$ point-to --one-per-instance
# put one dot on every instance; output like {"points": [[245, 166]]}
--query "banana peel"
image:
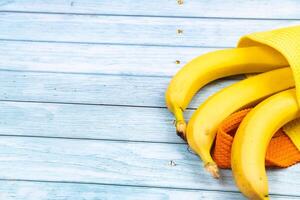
{"points": [[204, 123], [214, 65], [252, 138], [255, 53]]}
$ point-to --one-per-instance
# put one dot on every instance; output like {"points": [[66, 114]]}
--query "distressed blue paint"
{"points": [[131, 30], [92, 89], [88, 121], [96, 74], [190, 8], [20, 190], [93, 58], [124, 163]]}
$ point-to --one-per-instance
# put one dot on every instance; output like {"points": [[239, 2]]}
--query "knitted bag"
{"points": [[281, 151]]}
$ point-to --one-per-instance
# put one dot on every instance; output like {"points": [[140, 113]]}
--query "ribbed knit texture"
{"points": [[292, 129], [287, 42], [281, 151]]}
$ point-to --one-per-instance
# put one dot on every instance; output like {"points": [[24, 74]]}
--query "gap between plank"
{"points": [[136, 186], [116, 44], [146, 16], [126, 185], [87, 104], [92, 139], [234, 77]]}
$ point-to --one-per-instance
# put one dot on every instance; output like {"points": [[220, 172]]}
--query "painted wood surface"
{"points": [[82, 96], [20, 190], [88, 122], [120, 163], [93, 89], [131, 30], [289, 9], [95, 58]]}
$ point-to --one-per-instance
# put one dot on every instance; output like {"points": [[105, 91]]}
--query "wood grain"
{"points": [[190, 8], [82, 96], [131, 30], [92, 89], [94, 58], [20, 190], [88, 121], [121, 163]]}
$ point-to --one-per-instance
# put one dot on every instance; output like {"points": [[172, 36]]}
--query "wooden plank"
{"points": [[92, 89], [91, 58], [86, 121], [20, 190], [122, 163], [190, 8], [99, 122], [131, 30]]}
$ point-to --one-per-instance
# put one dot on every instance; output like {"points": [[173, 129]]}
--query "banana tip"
{"points": [[213, 169], [181, 129]]}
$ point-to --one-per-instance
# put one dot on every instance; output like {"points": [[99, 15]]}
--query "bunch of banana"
{"points": [[211, 66], [271, 91], [257, 129], [204, 123]]}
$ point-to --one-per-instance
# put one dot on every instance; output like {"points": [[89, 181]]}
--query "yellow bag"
{"points": [[287, 42]]}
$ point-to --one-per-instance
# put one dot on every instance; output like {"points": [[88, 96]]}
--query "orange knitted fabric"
{"points": [[281, 151]]}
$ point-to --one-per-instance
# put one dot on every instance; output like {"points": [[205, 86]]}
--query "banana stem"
{"points": [[180, 123], [213, 169], [181, 129]]}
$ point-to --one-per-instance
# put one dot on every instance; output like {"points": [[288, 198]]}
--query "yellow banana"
{"points": [[212, 66], [252, 138], [202, 127]]}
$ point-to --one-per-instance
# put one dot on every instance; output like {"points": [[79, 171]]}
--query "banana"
{"points": [[252, 138], [212, 66], [202, 127]]}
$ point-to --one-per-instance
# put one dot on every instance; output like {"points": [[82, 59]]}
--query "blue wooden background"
{"points": [[82, 87]]}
